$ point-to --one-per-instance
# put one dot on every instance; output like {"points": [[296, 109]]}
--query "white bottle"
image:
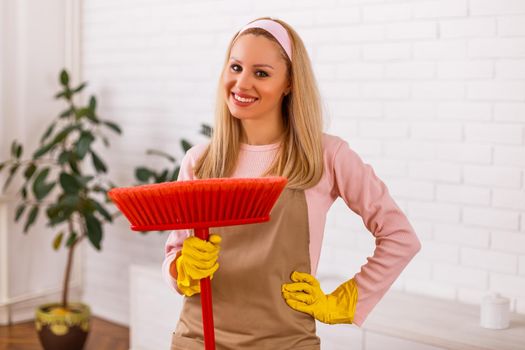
{"points": [[495, 311]]}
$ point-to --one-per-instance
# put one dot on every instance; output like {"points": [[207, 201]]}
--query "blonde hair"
{"points": [[300, 157]]}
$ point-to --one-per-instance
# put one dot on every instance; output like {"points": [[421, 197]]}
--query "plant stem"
{"points": [[65, 288]]}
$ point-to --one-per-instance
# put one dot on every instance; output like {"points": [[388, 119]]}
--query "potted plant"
{"points": [[74, 199], [64, 179], [147, 175]]}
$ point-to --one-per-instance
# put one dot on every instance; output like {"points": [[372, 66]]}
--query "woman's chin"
{"points": [[242, 116]]}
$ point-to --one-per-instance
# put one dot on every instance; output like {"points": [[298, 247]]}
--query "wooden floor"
{"points": [[104, 335]]}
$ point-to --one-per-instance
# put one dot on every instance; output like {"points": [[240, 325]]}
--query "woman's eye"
{"points": [[259, 71]]}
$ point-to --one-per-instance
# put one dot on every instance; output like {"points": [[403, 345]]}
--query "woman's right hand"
{"points": [[198, 260]]}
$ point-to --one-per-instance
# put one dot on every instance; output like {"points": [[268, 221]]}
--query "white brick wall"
{"points": [[431, 93]]}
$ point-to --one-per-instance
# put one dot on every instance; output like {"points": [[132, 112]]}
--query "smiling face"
{"points": [[257, 72]]}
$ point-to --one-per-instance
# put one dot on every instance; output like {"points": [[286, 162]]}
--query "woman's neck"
{"points": [[256, 133]]}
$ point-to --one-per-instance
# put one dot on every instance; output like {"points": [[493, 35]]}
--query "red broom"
{"points": [[199, 205]]}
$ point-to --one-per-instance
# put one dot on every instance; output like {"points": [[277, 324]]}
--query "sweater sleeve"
{"points": [[175, 238], [396, 242]]}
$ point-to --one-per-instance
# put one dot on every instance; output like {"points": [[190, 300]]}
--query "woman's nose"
{"points": [[244, 80]]}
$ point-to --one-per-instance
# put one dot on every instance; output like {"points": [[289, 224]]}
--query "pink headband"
{"points": [[274, 28]]}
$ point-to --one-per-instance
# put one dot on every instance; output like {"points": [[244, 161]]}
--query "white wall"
{"points": [[32, 46], [431, 93]]}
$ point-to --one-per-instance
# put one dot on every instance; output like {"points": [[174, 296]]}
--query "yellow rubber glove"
{"points": [[198, 260], [305, 295]]}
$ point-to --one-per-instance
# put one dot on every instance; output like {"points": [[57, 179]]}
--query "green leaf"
{"points": [[161, 153], [105, 140], [55, 214], [94, 230], [43, 150], [63, 209], [19, 151], [19, 211], [98, 163], [65, 132], [112, 126], [71, 201], [48, 132], [87, 206], [84, 180], [40, 188], [91, 110], [58, 138], [31, 217], [12, 172], [63, 157], [45, 190], [69, 183], [60, 94], [81, 112], [3, 164], [185, 145], [58, 240], [163, 176], [92, 103], [80, 87], [64, 77], [175, 174], [91, 116], [72, 161], [143, 174], [83, 144], [14, 145], [41, 177], [206, 130], [71, 239], [14, 168], [100, 208], [24, 192], [30, 170], [66, 113]]}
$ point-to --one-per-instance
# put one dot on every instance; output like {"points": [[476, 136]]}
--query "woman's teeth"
{"points": [[241, 99]]}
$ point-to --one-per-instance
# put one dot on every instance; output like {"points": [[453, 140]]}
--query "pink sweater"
{"points": [[346, 176]]}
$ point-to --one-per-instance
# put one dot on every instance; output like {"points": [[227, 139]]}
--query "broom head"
{"points": [[213, 202]]}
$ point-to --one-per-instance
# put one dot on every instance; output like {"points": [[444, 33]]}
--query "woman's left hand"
{"points": [[305, 295]]}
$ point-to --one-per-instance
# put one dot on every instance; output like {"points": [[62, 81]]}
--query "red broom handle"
{"points": [[207, 310]]}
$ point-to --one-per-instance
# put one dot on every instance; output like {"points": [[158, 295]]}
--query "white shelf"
{"points": [[399, 322], [447, 324]]}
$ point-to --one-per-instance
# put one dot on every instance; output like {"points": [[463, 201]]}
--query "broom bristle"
{"points": [[198, 203]]}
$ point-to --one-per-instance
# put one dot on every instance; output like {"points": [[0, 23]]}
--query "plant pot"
{"points": [[60, 329]]}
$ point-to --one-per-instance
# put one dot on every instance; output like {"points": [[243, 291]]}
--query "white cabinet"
{"points": [[399, 321], [376, 341], [154, 309]]}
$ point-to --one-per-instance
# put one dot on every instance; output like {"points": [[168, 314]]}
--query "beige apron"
{"points": [[248, 308]]}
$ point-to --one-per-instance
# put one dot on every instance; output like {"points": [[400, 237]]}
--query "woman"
{"points": [[269, 122]]}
